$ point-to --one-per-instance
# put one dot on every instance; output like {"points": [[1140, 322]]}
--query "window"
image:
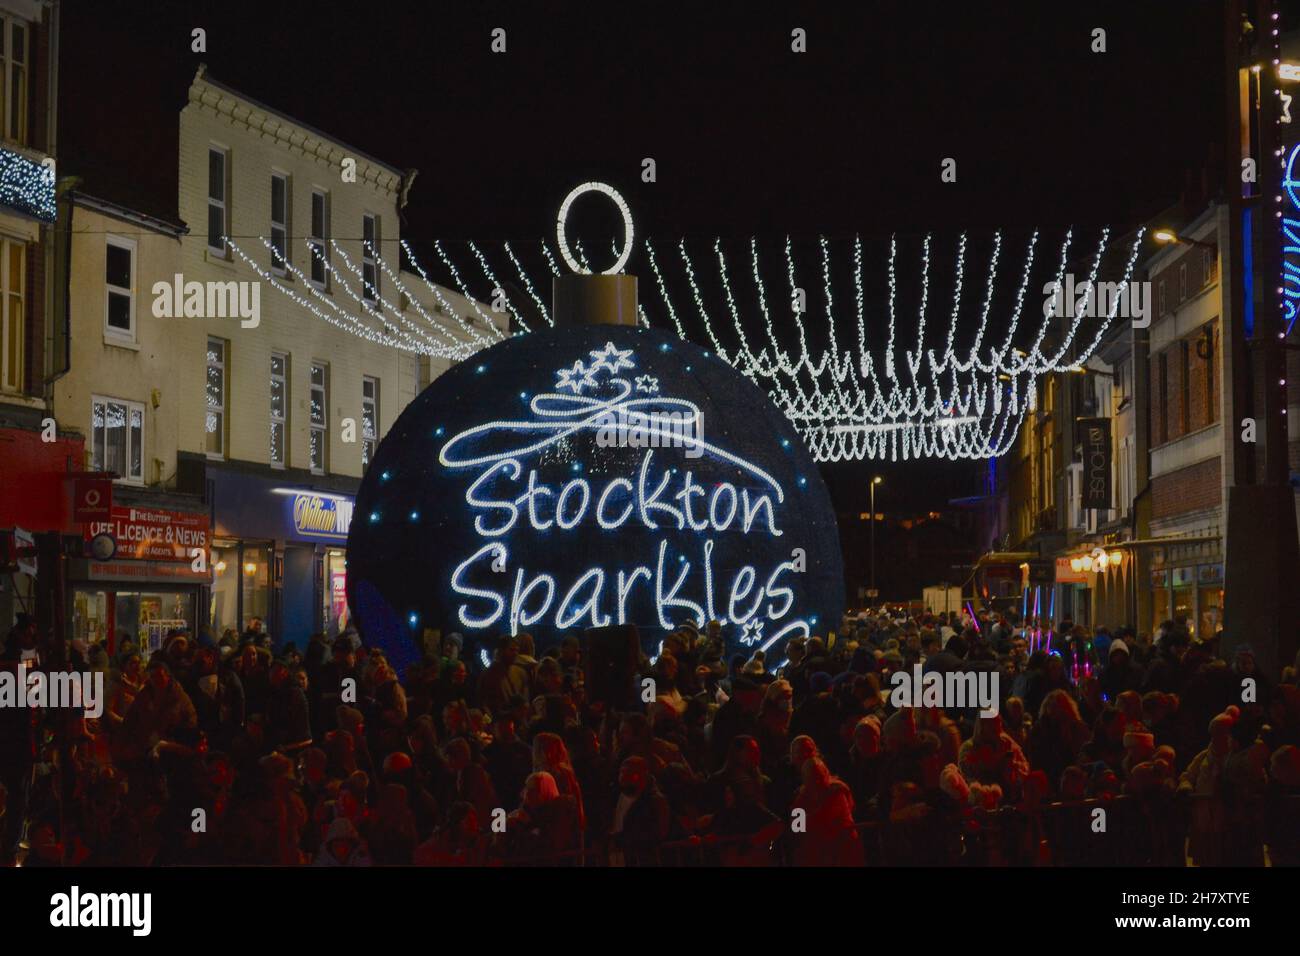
{"points": [[319, 435], [215, 422], [279, 409], [318, 242], [1123, 383], [13, 78], [1182, 283], [279, 223], [369, 420], [13, 283], [1045, 486], [1074, 495], [218, 221], [1162, 377], [370, 258], [1211, 410], [119, 274], [1163, 300], [117, 438], [1207, 266], [1185, 385]]}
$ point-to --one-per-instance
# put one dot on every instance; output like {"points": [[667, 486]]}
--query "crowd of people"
{"points": [[232, 751]]}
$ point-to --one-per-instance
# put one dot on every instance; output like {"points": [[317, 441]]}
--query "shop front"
{"points": [[279, 555], [1185, 582], [147, 571], [1192, 593], [1095, 585], [34, 499]]}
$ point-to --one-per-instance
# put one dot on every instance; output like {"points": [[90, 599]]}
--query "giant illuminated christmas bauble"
{"points": [[590, 475]]}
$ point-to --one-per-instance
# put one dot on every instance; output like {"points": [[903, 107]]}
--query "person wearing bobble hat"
{"points": [[1203, 782]]}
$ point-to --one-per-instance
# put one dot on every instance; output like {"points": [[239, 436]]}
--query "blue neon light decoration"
{"points": [[626, 491], [1291, 241]]}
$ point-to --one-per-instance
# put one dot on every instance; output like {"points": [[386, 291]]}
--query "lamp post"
{"points": [[874, 481], [1166, 236]]}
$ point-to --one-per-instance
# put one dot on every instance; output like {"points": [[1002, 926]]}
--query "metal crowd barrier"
{"points": [[1134, 832]]}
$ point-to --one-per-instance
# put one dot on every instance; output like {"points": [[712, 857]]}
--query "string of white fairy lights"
{"points": [[954, 404]]}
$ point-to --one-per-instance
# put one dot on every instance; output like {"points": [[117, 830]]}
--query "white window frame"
{"points": [[8, 320], [319, 242], [324, 427], [111, 331], [1206, 266], [370, 260], [224, 409], [1182, 282], [223, 203], [282, 224], [7, 67], [372, 440], [283, 419], [101, 463]]}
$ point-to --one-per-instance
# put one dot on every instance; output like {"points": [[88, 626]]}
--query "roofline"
{"points": [[205, 76], [118, 211]]}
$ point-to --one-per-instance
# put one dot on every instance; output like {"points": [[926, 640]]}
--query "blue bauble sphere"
{"points": [[590, 475]]}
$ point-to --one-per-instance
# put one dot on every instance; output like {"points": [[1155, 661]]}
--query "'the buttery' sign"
{"points": [[582, 477]]}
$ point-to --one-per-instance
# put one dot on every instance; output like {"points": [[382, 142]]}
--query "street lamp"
{"points": [[874, 481], [1166, 236]]}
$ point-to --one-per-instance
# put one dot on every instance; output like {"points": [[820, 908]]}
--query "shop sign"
{"points": [[145, 572], [1210, 574], [92, 499], [1067, 575], [1183, 577], [1096, 463], [317, 516], [153, 534], [25, 545]]}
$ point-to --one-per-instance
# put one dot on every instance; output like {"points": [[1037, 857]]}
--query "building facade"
{"points": [[122, 394], [1155, 549], [36, 456], [234, 370], [1190, 448]]}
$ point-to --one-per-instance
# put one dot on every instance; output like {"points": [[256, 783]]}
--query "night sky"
{"points": [[749, 138]]}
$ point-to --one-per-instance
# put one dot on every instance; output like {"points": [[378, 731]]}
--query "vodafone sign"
{"points": [[92, 499]]}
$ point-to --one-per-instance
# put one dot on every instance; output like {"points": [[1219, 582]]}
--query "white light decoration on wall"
{"points": [[27, 186], [612, 193]]}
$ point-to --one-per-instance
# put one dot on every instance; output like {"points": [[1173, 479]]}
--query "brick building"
{"points": [[1190, 453]]}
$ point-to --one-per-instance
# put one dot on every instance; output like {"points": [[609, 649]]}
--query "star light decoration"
{"points": [[648, 384], [848, 401], [612, 358], [751, 632], [577, 378]]}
